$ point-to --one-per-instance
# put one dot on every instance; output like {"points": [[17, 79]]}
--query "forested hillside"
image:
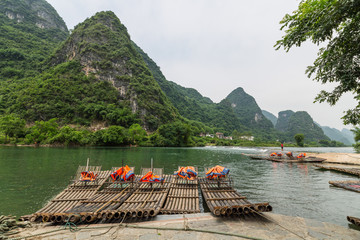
{"points": [[270, 116], [291, 123], [336, 135], [192, 105], [96, 75], [96, 86], [247, 110], [29, 32]]}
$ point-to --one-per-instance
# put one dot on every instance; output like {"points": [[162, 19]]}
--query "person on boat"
{"points": [[274, 154], [290, 155], [282, 147]]}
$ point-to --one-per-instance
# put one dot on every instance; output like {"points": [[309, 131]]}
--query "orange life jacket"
{"points": [[217, 172], [301, 155], [123, 174], [273, 154], [187, 172], [150, 177], [88, 176]]}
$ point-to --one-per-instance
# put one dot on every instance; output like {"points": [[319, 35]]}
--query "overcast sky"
{"points": [[216, 46]]}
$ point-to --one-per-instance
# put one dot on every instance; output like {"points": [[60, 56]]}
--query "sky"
{"points": [[216, 46]]}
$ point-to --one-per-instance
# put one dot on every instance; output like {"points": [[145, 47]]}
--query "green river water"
{"points": [[30, 177]]}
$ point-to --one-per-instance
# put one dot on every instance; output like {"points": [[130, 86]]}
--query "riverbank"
{"points": [[340, 158], [202, 226]]}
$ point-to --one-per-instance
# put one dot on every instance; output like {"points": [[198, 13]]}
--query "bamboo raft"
{"points": [[287, 159], [183, 197], [73, 195], [106, 201], [223, 200], [354, 220], [349, 185], [353, 171], [256, 157], [295, 160], [148, 198]]}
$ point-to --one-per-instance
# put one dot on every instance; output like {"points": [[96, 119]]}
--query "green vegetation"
{"points": [[219, 116], [64, 92], [23, 45], [247, 110], [12, 126], [290, 123], [96, 87], [102, 45], [335, 25], [270, 116], [356, 146], [327, 143], [299, 138]]}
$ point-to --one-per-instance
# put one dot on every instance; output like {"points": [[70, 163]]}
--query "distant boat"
{"points": [[299, 160], [294, 160]]}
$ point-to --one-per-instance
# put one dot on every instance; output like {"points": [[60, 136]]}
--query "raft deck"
{"points": [[76, 192], [183, 197], [223, 200], [349, 185], [353, 171]]}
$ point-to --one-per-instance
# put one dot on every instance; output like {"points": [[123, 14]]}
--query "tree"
{"points": [[136, 133], [356, 146], [299, 138], [12, 126], [336, 24], [42, 131], [175, 134], [114, 135]]}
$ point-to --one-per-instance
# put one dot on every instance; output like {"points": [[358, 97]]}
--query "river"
{"points": [[30, 177]]}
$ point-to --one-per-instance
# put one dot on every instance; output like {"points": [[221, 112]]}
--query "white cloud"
{"points": [[216, 46]]}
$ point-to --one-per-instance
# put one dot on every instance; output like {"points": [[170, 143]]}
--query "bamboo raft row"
{"points": [[349, 185], [183, 197], [223, 200], [353, 171], [108, 201], [354, 220]]}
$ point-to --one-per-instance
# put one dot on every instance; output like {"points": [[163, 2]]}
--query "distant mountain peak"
{"points": [[37, 12], [102, 45], [246, 108], [293, 123]]}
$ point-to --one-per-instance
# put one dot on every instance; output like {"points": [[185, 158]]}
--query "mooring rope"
{"points": [[70, 225]]}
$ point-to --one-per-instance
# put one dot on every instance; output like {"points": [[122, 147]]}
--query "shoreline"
{"points": [[201, 226], [338, 158]]}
